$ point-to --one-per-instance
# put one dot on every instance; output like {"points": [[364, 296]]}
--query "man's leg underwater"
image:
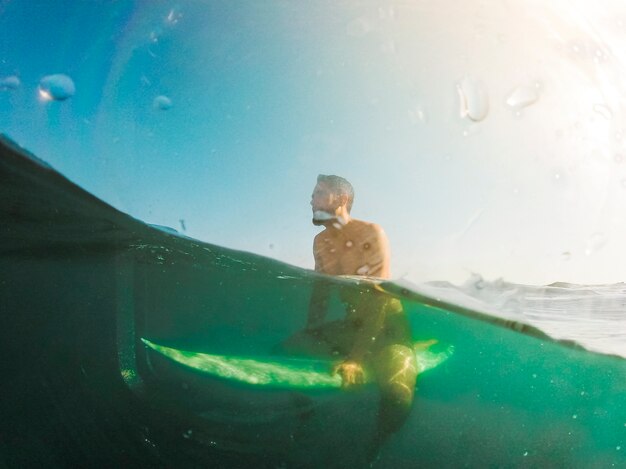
{"points": [[396, 374]]}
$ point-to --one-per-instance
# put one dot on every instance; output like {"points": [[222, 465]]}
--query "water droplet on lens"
{"points": [[595, 242], [154, 36], [358, 27], [56, 87], [417, 116], [9, 83], [172, 17], [473, 99], [603, 110], [521, 97], [162, 103]]}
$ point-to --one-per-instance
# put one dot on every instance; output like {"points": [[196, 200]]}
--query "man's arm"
{"points": [[380, 259], [318, 305], [351, 369]]}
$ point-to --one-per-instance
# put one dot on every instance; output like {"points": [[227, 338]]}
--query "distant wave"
{"points": [[591, 315]]}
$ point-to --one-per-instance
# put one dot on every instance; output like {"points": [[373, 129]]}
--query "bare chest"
{"points": [[345, 252]]}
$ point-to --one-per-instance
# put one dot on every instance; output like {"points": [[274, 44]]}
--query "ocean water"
{"points": [[589, 315], [526, 376]]}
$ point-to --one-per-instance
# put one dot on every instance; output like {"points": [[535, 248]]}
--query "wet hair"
{"points": [[339, 186]]}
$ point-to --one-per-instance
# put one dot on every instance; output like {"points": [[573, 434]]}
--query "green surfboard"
{"points": [[278, 372]]}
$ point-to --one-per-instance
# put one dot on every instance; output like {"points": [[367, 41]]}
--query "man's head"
{"points": [[332, 196]]}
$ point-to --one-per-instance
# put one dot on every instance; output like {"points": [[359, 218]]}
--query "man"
{"points": [[374, 339]]}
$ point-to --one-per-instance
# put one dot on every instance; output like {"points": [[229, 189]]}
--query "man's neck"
{"points": [[338, 222]]}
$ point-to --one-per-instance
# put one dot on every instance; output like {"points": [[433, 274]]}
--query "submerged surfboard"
{"points": [[278, 372]]}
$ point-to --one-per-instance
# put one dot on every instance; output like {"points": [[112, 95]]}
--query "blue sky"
{"points": [[266, 95]]}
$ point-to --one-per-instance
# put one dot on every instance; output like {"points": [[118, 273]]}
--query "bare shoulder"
{"points": [[318, 240], [369, 230], [377, 230], [370, 254]]}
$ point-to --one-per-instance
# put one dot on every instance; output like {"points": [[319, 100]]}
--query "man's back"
{"points": [[356, 248]]}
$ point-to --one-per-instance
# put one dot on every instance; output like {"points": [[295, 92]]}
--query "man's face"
{"points": [[324, 203]]}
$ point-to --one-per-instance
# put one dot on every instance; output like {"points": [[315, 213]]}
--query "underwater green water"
{"points": [[502, 398]]}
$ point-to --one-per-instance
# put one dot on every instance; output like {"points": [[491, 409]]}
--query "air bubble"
{"points": [[363, 270], [348, 244], [521, 97], [473, 100], [603, 110], [57, 87], [9, 83], [162, 103]]}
